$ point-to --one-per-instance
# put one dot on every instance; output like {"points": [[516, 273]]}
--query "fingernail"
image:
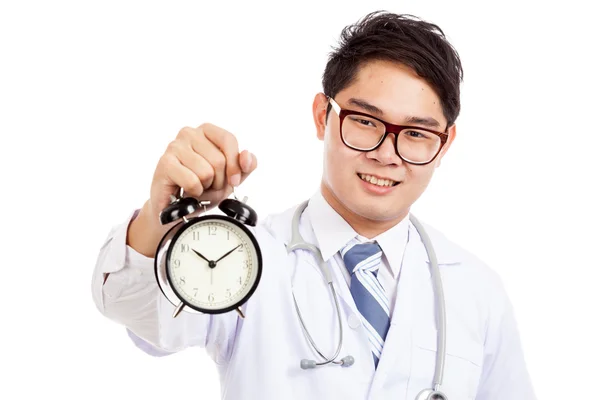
{"points": [[235, 179], [248, 162]]}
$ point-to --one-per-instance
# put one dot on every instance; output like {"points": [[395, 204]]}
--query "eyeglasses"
{"points": [[363, 132]]}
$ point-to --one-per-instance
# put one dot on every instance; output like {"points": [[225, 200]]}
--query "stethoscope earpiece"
{"points": [[347, 361], [310, 364]]}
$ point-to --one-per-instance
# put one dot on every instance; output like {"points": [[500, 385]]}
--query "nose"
{"points": [[386, 152]]}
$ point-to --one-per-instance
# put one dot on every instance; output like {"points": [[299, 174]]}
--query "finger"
{"points": [[198, 165], [228, 145], [248, 162], [207, 150], [183, 177]]}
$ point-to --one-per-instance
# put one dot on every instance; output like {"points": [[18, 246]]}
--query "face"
{"points": [[400, 94]]}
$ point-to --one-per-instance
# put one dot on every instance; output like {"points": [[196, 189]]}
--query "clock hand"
{"points": [[201, 256], [211, 264], [228, 253]]}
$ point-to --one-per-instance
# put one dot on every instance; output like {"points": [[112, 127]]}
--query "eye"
{"points": [[362, 121], [415, 134]]}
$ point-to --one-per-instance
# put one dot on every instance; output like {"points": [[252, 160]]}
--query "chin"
{"points": [[376, 212], [372, 207]]}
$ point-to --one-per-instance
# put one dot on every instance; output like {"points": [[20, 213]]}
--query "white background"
{"points": [[92, 92]]}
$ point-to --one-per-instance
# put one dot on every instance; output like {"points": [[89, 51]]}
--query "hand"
{"points": [[228, 253], [205, 162]]}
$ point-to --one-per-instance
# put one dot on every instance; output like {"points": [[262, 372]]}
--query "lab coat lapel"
{"points": [[395, 357], [415, 277]]}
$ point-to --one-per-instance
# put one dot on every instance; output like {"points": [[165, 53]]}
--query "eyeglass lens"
{"points": [[414, 144]]}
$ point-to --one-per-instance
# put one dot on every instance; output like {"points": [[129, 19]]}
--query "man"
{"points": [[387, 118]]}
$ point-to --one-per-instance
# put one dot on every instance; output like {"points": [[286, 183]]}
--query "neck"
{"points": [[364, 226]]}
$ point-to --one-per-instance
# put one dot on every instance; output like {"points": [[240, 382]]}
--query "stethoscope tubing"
{"points": [[297, 242]]}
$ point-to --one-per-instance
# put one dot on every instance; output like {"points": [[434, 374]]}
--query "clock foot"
{"points": [[178, 309], [239, 311]]}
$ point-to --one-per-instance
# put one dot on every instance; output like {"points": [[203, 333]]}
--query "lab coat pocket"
{"points": [[462, 368]]}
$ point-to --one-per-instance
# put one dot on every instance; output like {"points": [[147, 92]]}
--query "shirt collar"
{"points": [[332, 233]]}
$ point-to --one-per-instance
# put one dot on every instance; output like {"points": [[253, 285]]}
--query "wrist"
{"points": [[145, 231]]}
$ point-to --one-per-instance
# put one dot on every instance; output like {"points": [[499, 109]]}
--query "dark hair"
{"points": [[405, 39]]}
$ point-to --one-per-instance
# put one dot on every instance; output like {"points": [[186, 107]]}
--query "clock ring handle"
{"points": [[179, 208]]}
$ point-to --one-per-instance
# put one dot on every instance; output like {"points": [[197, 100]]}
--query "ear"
{"points": [[319, 114], [451, 136]]}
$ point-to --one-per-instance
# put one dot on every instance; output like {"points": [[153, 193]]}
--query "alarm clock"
{"points": [[209, 263]]}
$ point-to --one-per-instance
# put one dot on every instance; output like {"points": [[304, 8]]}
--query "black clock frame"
{"points": [[182, 227]]}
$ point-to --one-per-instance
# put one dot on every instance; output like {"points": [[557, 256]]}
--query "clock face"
{"points": [[213, 265]]}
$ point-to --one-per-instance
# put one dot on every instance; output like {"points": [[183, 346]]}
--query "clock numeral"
{"points": [[176, 263], [185, 247], [240, 280], [182, 280], [241, 248], [227, 235], [195, 291], [196, 235], [228, 293], [246, 264], [211, 298], [212, 230]]}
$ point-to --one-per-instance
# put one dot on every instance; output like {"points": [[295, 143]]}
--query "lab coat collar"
{"points": [[332, 233], [340, 233], [446, 251]]}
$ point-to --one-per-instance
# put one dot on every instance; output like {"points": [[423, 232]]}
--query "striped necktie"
{"points": [[362, 261]]}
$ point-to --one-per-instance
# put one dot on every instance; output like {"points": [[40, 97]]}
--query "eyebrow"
{"points": [[370, 108], [425, 121]]}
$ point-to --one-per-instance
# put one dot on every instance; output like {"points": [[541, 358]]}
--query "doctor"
{"points": [[386, 118]]}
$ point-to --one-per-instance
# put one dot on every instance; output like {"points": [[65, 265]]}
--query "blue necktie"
{"points": [[362, 261]]}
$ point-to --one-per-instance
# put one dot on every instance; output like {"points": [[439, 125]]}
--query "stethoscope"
{"points": [[297, 242]]}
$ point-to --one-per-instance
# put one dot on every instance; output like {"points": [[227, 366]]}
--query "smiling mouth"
{"points": [[377, 181]]}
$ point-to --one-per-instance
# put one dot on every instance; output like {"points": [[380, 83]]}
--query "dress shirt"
{"points": [[333, 233]]}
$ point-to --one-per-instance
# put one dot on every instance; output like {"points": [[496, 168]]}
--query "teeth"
{"points": [[375, 181]]}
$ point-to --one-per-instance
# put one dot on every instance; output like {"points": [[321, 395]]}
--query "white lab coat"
{"points": [[259, 357]]}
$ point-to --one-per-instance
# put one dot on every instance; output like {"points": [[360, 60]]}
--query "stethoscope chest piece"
{"points": [[430, 394]]}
